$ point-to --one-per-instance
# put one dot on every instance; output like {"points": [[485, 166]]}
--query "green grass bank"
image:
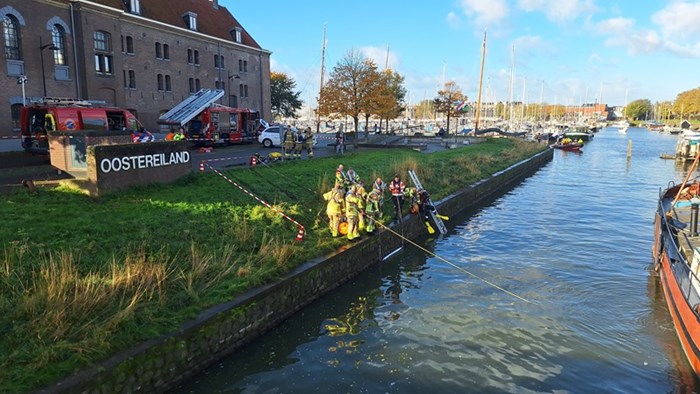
{"points": [[82, 278]]}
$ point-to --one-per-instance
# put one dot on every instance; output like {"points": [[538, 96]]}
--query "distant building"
{"points": [[143, 55]]}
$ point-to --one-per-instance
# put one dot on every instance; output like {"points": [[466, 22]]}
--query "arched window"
{"points": [[10, 27], [166, 51], [58, 39], [197, 84], [196, 57], [160, 82], [130, 45], [191, 85], [159, 54], [168, 84], [190, 57]]}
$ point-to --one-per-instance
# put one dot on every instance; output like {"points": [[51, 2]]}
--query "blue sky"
{"points": [[574, 50]]}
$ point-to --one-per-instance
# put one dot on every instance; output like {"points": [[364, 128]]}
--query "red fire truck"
{"points": [[207, 123], [70, 115]]}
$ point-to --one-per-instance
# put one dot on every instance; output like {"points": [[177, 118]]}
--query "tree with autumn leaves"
{"points": [[447, 99], [356, 88]]}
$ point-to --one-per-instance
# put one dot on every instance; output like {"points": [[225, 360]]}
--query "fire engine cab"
{"points": [[70, 115], [206, 122]]}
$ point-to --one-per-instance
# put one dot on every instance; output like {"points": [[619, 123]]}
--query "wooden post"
{"points": [[629, 148]]}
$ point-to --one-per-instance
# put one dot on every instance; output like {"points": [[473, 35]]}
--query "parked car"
{"points": [[273, 136]]}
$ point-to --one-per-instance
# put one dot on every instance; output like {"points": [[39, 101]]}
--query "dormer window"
{"points": [[215, 4], [134, 6], [190, 19], [237, 34]]}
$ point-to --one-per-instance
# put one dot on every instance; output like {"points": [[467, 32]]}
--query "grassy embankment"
{"points": [[82, 278]]}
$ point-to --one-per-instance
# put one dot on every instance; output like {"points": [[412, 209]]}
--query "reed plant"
{"points": [[83, 278]]}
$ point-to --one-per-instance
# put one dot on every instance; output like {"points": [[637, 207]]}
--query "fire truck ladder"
{"points": [[432, 212], [191, 107]]}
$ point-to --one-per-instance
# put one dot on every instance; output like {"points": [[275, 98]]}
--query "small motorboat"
{"points": [[570, 147]]}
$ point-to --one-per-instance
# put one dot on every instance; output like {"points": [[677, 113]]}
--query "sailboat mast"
{"points": [[323, 72], [481, 80], [512, 81]]}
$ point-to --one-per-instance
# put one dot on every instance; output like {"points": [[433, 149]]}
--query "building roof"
{"points": [[216, 22]]}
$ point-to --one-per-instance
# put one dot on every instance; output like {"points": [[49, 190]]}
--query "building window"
{"points": [[197, 85], [166, 51], [245, 66], [132, 79], [221, 62], [160, 82], [246, 90], [237, 34], [216, 61], [15, 110], [190, 19], [103, 52], [10, 27], [240, 65], [190, 56], [159, 51], [240, 90], [135, 7], [58, 39], [129, 45], [191, 85], [196, 57], [168, 84], [124, 78]]}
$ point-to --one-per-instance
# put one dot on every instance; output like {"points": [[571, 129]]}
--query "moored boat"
{"points": [[676, 255], [578, 133], [571, 147]]}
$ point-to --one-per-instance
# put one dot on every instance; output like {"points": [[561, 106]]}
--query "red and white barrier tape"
{"points": [[302, 229], [10, 137], [201, 163]]}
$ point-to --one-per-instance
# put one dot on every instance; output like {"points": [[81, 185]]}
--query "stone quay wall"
{"points": [[159, 364]]}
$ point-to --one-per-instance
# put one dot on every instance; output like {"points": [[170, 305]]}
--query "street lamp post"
{"points": [[41, 56], [230, 77], [22, 80]]}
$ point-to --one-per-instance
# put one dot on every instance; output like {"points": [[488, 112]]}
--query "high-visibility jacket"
{"points": [[334, 199], [372, 205], [340, 178], [351, 205], [397, 188]]}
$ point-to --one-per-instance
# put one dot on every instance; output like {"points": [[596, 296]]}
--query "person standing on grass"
{"points": [[334, 209], [397, 188]]}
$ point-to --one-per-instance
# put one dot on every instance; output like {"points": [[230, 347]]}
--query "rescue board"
{"points": [[433, 213]]}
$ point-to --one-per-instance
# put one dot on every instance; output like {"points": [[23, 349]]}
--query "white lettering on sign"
{"points": [[127, 163]]}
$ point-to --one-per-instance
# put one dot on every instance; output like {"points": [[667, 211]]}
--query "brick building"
{"points": [[143, 55]]}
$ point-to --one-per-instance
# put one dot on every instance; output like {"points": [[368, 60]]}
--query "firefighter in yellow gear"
{"points": [[352, 214], [372, 209], [340, 178], [288, 143], [298, 144], [361, 195], [309, 137], [334, 209]]}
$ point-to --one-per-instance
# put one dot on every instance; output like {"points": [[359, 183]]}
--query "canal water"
{"points": [[574, 240]]}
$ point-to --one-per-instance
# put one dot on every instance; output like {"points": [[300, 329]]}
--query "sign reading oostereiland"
{"points": [[117, 167], [143, 161]]}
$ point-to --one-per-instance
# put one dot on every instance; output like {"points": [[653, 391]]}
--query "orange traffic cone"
{"points": [[300, 234], [253, 160]]}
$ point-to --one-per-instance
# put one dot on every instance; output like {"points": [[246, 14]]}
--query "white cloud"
{"points": [[615, 26], [453, 20], [559, 10], [486, 12], [379, 56], [679, 20]]}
